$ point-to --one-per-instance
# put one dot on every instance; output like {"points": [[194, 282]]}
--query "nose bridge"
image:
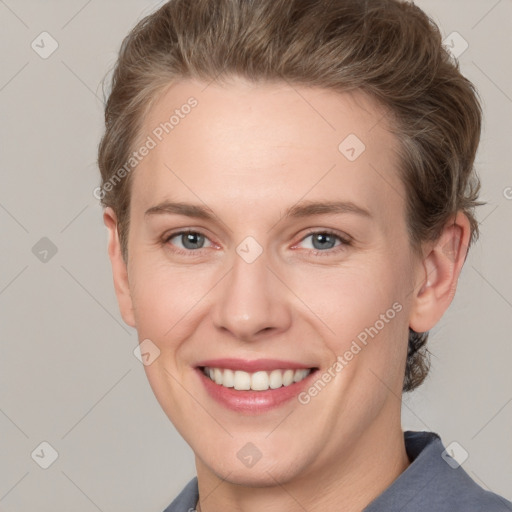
{"points": [[251, 299]]}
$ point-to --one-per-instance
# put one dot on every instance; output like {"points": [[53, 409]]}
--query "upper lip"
{"points": [[254, 365]]}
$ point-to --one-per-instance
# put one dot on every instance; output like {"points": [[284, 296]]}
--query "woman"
{"points": [[289, 191]]}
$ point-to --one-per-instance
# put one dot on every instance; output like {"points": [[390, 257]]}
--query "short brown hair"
{"points": [[389, 49]]}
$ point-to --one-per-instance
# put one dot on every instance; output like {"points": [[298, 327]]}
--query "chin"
{"points": [[256, 478], [261, 474]]}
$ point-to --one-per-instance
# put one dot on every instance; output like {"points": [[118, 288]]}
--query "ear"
{"points": [[119, 268], [438, 274]]}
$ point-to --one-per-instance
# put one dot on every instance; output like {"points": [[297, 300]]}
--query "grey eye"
{"points": [[320, 240], [189, 240]]}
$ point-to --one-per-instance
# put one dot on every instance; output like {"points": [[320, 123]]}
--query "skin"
{"points": [[249, 152]]}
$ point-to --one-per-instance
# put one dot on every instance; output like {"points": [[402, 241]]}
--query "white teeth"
{"points": [[299, 375], [217, 376], [276, 379], [242, 381], [228, 379], [257, 381], [288, 377]]}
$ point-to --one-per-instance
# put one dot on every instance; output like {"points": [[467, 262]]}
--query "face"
{"points": [[268, 248]]}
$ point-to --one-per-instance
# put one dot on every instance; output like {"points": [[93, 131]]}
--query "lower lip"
{"points": [[253, 401]]}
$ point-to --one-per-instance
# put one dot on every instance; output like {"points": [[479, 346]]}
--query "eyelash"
{"points": [[345, 242]]}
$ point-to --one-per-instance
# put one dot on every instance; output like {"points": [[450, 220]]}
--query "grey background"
{"points": [[68, 375]]}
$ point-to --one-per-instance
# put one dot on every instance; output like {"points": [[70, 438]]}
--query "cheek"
{"points": [[361, 312], [350, 297], [165, 304], [166, 298]]}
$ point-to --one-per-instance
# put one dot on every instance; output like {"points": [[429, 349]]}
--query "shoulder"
{"points": [[186, 499], [435, 481]]}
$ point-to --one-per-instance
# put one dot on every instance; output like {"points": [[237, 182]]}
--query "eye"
{"points": [[188, 241], [324, 241]]}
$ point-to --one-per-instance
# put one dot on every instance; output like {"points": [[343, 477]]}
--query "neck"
{"points": [[351, 479]]}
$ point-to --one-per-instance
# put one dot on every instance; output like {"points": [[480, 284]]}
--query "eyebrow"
{"points": [[302, 209]]}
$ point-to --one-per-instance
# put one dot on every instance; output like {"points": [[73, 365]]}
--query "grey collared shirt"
{"points": [[433, 482]]}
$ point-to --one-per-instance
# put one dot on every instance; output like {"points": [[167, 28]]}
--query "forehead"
{"points": [[267, 143]]}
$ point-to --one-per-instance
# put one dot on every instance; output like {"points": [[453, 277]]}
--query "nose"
{"points": [[252, 302]]}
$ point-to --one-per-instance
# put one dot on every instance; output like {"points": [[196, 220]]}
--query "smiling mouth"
{"points": [[256, 381]]}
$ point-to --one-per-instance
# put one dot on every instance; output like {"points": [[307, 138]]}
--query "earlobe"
{"points": [[119, 268], [438, 274]]}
